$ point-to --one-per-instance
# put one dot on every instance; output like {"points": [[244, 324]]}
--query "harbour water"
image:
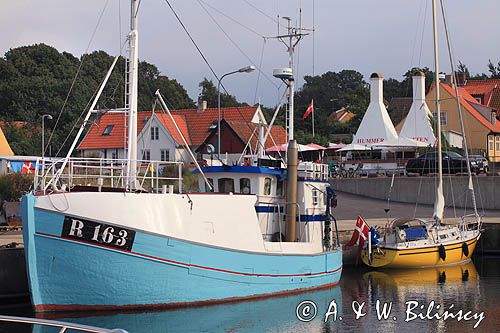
{"points": [[473, 288]]}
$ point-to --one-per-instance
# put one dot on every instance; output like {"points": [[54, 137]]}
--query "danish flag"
{"points": [[310, 109], [360, 234], [28, 168]]}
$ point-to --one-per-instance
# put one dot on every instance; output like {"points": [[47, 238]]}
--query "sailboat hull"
{"points": [[71, 274], [421, 257]]}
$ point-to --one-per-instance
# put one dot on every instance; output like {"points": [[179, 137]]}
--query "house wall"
{"points": [[494, 147], [475, 132], [165, 141], [230, 142]]}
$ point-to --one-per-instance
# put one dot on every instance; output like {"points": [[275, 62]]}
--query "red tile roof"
{"points": [[199, 122], [193, 124], [488, 89], [169, 125], [465, 98], [244, 131], [117, 137]]}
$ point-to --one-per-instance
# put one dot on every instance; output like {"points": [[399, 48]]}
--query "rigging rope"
{"points": [[76, 76], [236, 45]]}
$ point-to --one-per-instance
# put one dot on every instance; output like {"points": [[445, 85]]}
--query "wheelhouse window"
{"points": [[267, 186], [108, 129], [226, 185], [279, 187], [315, 197], [211, 182], [155, 133], [164, 155], [245, 186]]}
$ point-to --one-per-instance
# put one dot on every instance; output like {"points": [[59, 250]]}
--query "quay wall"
{"points": [[422, 190]]}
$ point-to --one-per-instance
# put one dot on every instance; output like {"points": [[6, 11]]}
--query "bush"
{"points": [[13, 186]]}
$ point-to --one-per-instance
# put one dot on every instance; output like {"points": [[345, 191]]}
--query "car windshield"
{"points": [[452, 154]]}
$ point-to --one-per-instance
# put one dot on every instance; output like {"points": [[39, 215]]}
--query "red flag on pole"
{"points": [[310, 109]]}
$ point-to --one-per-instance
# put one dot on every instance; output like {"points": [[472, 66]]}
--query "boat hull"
{"points": [[69, 274], [420, 257]]}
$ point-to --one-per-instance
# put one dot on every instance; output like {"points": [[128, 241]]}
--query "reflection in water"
{"points": [[461, 286], [273, 314]]}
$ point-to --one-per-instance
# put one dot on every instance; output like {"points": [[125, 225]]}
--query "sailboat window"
{"points": [[267, 186], [245, 186], [211, 181], [108, 129], [226, 185]]}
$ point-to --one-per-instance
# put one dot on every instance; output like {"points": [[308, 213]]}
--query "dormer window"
{"points": [[212, 126], [108, 129]]}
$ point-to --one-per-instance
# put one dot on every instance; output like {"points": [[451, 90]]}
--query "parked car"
{"points": [[481, 161], [452, 163]]}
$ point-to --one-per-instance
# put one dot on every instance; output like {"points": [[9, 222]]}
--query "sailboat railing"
{"points": [[62, 326], [104, 173]]}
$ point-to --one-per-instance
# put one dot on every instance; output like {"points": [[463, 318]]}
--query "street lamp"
{"points": [[246, 69], [49, 117]]}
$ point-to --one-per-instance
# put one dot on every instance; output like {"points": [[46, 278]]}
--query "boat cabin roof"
{"points": [[410, 222], [242, 169]]}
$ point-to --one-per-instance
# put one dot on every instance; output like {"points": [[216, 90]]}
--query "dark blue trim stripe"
{"points": [[312, 218], [242, 169], [268, 209]]}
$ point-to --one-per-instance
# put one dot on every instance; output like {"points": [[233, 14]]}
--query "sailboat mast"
{"points": [[439, 203], [132, 84]]}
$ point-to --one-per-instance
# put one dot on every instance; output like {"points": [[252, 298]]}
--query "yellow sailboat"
{"points": [[425, 243]]}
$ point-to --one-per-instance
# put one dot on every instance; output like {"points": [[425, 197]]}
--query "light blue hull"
{"points": [[67, 274]]}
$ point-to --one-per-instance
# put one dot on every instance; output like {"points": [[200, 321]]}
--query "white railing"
{"points": [[62, 326], [314, 171], [152, 176]]}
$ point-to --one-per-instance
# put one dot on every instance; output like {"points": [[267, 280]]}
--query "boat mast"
{"points": [[439, 203], [460, 116], [291, 39], [132, 84]]}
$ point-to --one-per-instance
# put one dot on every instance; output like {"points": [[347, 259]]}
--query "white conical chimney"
{"points": [[417, 125], [376, 125]]}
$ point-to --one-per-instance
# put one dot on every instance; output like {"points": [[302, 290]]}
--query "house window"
{"points": [[497, 143], [211, 182], [444, 119], [479, 100], [164, 155], [245, 186], [226, 185], [108, 129], [146, 155], [114, 155], [267, 186], [490, 143], [155, 133]]}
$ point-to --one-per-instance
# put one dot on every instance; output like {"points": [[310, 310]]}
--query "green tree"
{"points": [[36, 80], [209, 93], [494, 70]]}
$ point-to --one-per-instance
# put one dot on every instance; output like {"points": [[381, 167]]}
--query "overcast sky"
{"points": [[386, 36]]}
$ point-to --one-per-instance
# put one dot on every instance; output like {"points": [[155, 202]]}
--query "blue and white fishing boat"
{"points": [[256, 231]]}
